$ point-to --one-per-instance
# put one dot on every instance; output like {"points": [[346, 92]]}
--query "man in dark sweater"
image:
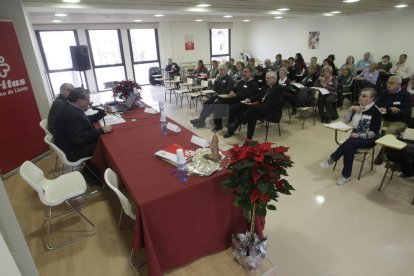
{"points": [[75, 134], [268, 103], [222, 86], [395, 105], [57, 106]]}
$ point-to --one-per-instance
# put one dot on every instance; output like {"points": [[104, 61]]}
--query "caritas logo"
{"points": [[8, 87]]}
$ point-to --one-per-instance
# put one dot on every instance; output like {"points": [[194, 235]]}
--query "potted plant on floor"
{"points": [[257, 171]]}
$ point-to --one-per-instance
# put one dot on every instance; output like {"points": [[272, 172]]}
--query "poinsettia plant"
{"points": [[257, 177], [123, 88]]}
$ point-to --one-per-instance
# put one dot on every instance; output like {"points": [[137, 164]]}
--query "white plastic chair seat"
{"points": [[63, 188]]}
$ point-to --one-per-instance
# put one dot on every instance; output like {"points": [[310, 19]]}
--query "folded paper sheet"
{"points": [[199, 141], [173, 127]]}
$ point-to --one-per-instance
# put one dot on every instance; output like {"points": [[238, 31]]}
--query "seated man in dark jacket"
{"points": [[267, 104], [395, 105], [75, 134], [222, 86]]}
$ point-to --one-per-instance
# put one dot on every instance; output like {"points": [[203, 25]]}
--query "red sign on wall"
{"points": [[21, 137]]}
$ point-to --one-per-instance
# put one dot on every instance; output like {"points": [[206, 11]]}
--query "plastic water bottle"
{"points": [[163, 122], [161, 106], [181, 166]]}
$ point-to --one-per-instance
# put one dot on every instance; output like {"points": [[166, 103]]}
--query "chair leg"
{"points": [[131, 264], [278, 126], [120, 217], [86, 235], [383, 178], [362, 165], [372, 158], [97, 178], [267, 128], [334, 167]]}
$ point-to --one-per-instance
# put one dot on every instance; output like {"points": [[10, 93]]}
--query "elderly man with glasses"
{"points": [[57, 106], [222, 86], [395, 105]]}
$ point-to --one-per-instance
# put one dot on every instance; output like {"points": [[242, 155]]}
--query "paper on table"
{"points": [[322, 90], [199, 141], [338, 125], [249, 103], [173, 127], [150, 110], [298, 85], [112, 120]]}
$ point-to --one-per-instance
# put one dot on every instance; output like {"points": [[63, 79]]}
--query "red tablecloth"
{"points": [[177, 222]]}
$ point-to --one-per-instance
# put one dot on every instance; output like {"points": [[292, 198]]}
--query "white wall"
{"points": [[379, 33]]}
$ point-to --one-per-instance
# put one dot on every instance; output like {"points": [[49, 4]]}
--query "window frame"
{"points": [[147, 61], [93, 66], [212, 57]]}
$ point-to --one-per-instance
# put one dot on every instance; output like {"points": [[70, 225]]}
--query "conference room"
{"points": [[185, 228]]}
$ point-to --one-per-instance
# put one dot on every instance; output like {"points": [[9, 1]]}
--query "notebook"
{"points": [[125, 106]]}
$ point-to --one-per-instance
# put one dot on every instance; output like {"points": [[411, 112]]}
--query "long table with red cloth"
{"points": [[176, 222]]}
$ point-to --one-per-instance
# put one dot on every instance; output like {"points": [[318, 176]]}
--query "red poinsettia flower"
{"points": [[123, 88], [265, 198], [254, 196]]}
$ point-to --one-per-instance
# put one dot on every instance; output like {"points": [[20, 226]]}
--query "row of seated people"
{"points": [[253, 97]]}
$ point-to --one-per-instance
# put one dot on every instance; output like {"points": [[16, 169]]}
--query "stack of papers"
{"points": [[111, 119], [169, 153]]}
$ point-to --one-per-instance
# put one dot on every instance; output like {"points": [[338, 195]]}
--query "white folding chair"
{"points": [[111, 180], [43, 125], [55, 192]]}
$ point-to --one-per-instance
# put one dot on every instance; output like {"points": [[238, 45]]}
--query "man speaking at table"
{"points": [[75, 134]]}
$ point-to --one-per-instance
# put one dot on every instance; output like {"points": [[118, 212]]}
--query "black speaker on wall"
{"points": [[80, 57]]}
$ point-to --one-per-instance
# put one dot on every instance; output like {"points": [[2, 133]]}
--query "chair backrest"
{"points": [[190, 81], [111, 180], [204, 83], [35, 178], [177, 78], [61, 155], [43, 125]]}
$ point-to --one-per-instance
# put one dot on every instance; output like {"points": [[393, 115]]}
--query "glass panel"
{"points": [[142, 72], [144, 45], [57, 79], [108, 75], [56, 47], [220, 41], [105, 46]]}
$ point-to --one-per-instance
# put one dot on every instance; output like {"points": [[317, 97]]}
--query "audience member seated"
{"points": [[367, 78], [364, 63], [233, 66], [246, 89], [350, 63], [75, 133], [384, 67], [299, 67], [344, 85], [267, 104], [365, 119], [395, 105], [201, 69], [326, 106], [278, 62], [260, 77], [213, 72], [268, 66], [57, 105], [331, 58], [222, 86], [314, 61], [239, 74], [252, 64], [402, 70], [229, 69], [410, 87], [172, 69], [304, 95]]}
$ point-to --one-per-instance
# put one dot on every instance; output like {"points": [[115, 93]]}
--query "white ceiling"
{"points": [[125, 11]]}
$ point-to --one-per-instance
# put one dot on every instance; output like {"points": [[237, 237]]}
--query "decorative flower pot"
{"points": [[249, 254]]}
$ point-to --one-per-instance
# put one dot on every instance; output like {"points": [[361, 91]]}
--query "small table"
{"points": [[389, 141], [338, 126]]}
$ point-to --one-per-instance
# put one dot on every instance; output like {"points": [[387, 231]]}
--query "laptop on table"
{"points": [[125, 106]]}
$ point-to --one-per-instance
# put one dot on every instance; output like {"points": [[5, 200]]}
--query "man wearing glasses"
{"points": [[222, 86], [395, 105], [75, 134]]}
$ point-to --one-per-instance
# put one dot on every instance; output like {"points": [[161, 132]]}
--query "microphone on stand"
{"points": [[100, 110]]}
